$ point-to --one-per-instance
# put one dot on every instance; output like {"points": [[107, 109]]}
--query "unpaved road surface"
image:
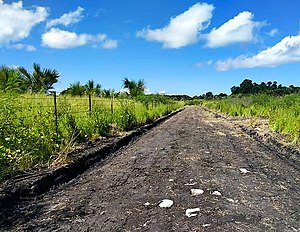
{"points": [[191, 150]]}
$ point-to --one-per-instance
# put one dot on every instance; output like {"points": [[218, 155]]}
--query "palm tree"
{"points": [[11, 80], [128, 84], [108, 93], [76, 89], [90, 87], [40, 80], [98, 90], [135, 88]]}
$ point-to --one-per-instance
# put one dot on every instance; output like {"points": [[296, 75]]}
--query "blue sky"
{"points": [[176, 46]]}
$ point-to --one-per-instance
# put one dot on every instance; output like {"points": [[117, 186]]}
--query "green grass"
{"points": [[283, 112], [30, 137]]}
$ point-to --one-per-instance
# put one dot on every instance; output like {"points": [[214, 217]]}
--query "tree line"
{"points": [[133, 88], [249, 87], [41, 80]]}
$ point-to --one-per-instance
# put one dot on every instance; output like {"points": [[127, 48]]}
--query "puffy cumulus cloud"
{"points": [[236, 30], [17, 22], [67, 19], [286, 51], [182, 29], [26, 47], [60, 39]]}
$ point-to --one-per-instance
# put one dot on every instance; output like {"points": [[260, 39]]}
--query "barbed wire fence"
{"points": [[56, 106]]}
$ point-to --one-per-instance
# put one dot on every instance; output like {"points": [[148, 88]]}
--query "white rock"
{"points": [[244, 170], [232, 200], [196, 192], [147, 204], [171, 180], [216, 193], [192, 212], [166, 203], [191, 184], [206, 225]]}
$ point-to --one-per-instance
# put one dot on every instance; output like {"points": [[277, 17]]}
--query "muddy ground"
{"points": [[192, 150]]}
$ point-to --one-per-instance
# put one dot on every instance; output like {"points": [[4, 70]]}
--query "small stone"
{"points": [[147, 204], [166, 203], [192, 212], [190, 184], [216, 193], [231, 200], [206, 225], [244, 170], [103, 212], [171, 180], [196, 192]]}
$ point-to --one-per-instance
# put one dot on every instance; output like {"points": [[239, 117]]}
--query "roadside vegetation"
{"points": [[279, 103], [35, 132]]}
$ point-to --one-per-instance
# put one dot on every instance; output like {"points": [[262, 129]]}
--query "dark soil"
{"points": [[191, 150]]}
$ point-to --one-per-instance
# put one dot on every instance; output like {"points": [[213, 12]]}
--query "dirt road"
{"points": [[256, 191]]}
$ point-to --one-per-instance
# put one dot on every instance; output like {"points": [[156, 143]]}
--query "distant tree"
{"points": [[98, 90], [90, 87], [246, 87], [209, 95], [269, 83], [221, 95], [135, 88], [76, 89], [235, 90], [274, 85], [108, 93]]}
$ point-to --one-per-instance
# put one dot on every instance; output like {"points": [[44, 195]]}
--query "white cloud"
{"points": [[273, 32], [67, 19], [236, 30], [124, 91], [57, 38], [27, 47], [286, 51], [148, 91], [182, 29], [204, 63], [17, 22], [110, 44], [60, 39]]}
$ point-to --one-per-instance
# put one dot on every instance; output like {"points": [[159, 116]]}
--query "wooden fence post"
{"points": [[55, 114], [112, 104], [90, 103]]}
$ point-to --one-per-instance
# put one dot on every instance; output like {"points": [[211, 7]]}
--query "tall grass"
{"points": [[30, 136], [283, 112]]}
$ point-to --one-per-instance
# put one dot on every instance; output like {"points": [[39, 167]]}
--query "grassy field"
{"points": [[283, 112], [32, 135]]}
